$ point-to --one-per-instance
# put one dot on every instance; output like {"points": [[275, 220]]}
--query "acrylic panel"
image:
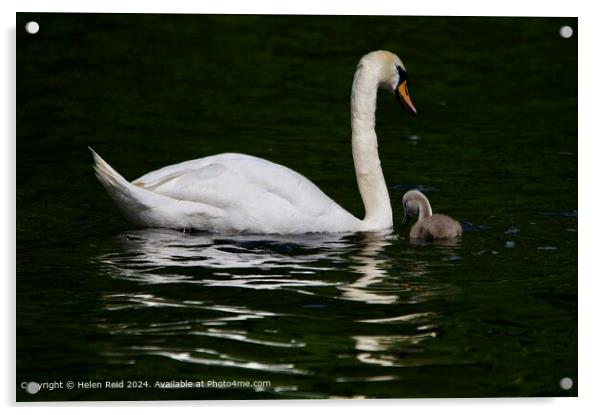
{"points": [[260, 278]]}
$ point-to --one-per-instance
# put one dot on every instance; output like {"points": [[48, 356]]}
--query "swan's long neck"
{"points": [[370, 178]]}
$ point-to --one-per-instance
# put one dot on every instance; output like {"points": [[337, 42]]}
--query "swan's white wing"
{"points": [[257, 194], [154, 177], [229, 179]]}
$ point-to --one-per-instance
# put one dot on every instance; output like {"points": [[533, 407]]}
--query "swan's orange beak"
{"points": [[403, 96]]}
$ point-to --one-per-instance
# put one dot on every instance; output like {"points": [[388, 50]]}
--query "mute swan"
{"points": [[240, 193], [429, 227]]}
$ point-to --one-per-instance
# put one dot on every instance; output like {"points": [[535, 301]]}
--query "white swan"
{"points": [[240, 193]]}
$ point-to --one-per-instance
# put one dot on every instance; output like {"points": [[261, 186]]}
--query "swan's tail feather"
{"points": [[106, 174], [148, 208], [123, 193]]}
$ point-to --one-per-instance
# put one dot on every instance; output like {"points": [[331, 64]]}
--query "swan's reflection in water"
{"points": [[246, 259], [373, 271], [235, 301]]}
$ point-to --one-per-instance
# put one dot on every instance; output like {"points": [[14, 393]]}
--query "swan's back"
{"points": [[239, 177]]}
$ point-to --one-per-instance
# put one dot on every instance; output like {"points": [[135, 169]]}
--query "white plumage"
{"points": [[241, 193]]}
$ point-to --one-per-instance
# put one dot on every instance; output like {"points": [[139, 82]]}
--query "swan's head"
{"points": [[391, 74], [413, 201]]}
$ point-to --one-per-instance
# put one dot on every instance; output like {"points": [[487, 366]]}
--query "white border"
{"points": [[590, 138], [375, 7]]}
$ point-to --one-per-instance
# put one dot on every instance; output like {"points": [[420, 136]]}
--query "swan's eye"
{"points": [[403, 75]]}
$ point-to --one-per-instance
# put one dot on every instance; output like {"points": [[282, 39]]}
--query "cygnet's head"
{"points": [[415, 204], [391, 72]]}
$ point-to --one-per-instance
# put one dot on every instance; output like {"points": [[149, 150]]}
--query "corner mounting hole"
{"points": [[566, 383], [566, 31], [32, 28]]}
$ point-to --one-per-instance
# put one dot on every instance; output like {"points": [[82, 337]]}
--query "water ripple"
{"points": [[241, 301], [241, 336], [228, 361]]}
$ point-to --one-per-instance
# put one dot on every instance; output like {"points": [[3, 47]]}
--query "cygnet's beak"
{"points": [[405, 215], [403, 96]]}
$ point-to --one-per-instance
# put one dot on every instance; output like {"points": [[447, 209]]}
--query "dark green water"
{"points": [[494, 145]]}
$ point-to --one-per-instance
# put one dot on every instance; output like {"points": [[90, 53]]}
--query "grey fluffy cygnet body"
{"points": [[429, 227]]}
